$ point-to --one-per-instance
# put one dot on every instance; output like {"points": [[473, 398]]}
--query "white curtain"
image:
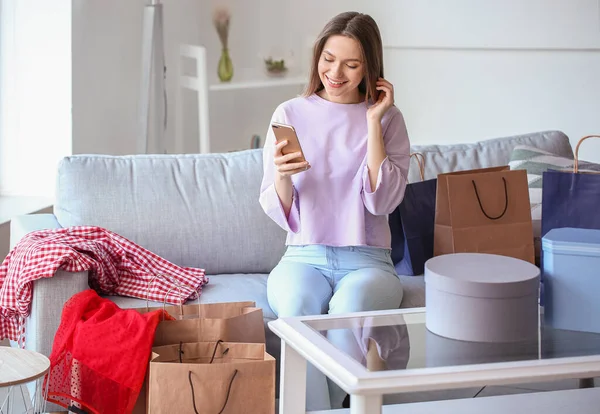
{"points": [[35, 94]]}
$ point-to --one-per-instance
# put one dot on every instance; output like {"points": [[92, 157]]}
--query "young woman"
{"points": [[334, 206]]}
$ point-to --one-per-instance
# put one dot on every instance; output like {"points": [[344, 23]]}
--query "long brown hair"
{"points": [[362, 28]]}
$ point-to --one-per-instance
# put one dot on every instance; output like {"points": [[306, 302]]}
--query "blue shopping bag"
{"points": [[571, 199], [412, 225], [417, 221], [568, 200]]}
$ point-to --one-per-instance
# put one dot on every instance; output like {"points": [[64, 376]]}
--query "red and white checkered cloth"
{"points": [[117, 267]]}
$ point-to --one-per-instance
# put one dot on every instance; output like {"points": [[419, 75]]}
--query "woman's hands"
{"points": [[284, 167], [384, 102], [376, 153]]}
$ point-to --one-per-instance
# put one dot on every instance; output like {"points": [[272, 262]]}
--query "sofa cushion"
{"points": [[203, 211], [193, 210], [483, 154], [248, 287]]}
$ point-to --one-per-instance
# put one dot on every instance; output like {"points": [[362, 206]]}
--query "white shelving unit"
{"points": [[200, 84], [266, 83]]}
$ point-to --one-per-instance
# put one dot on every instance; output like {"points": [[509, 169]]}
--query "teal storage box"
{"points": [[571, 277]]}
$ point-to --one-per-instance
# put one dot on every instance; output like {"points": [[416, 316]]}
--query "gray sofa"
{"points": [[203, 211]]}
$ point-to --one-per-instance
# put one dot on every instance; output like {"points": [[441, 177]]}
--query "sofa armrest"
{"points": [[49, 294], [21, 225]]}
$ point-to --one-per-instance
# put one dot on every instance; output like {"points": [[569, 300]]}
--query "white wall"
{"points": [[107, 62], [106, 66], [464, 70]]}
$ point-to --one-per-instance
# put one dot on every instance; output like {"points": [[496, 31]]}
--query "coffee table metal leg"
{"points": [[292, 391], [365, 404]]}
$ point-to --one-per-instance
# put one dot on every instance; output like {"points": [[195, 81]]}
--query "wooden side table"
{"points": [[17, 368]]}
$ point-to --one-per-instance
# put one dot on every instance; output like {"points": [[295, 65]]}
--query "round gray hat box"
{"points": [[482, 297]]}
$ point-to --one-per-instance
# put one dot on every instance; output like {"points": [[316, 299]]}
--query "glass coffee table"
{"points": [[393, 352]]}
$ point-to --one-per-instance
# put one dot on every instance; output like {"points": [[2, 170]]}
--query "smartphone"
{"points": [[287, 133]]}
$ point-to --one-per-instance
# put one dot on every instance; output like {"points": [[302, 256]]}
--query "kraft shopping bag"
{"points": [[484, 211], [228, 321], [210, 378]]}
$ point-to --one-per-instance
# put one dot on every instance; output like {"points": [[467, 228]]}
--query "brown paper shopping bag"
{"points": [[227, 321], [211, 378], [484, 211]]}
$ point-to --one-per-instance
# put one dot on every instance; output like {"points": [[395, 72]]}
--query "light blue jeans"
{"points": [[316, 279]]}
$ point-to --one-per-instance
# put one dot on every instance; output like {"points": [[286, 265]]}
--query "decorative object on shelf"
{"points": [[198, 83], [221, 19], [225, 66], [275, 67], [255, 142]]}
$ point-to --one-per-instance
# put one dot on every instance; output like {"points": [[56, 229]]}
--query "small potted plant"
{"points": [[275, 67]]}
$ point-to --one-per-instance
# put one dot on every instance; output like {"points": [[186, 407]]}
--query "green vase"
{"points": [[225, 66]]}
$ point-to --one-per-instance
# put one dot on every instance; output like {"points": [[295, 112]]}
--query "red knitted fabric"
{"points": [[100, 354]]}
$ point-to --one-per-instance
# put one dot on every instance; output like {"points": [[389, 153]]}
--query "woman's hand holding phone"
{"points": [[286, 164]]}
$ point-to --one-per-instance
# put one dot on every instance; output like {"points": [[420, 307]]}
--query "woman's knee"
{"points": [[297, 289], [367, 290]]}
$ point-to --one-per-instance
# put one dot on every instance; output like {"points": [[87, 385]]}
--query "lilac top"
{"points": [[333, 202]]}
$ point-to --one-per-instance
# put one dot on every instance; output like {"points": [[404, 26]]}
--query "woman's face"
{"points": [[341, 69]]}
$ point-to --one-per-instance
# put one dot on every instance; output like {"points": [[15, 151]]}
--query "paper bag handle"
{"points": [[421, 163], [481, 205], [576, 165], [212, 358], [235, 371], [177, 285]]}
